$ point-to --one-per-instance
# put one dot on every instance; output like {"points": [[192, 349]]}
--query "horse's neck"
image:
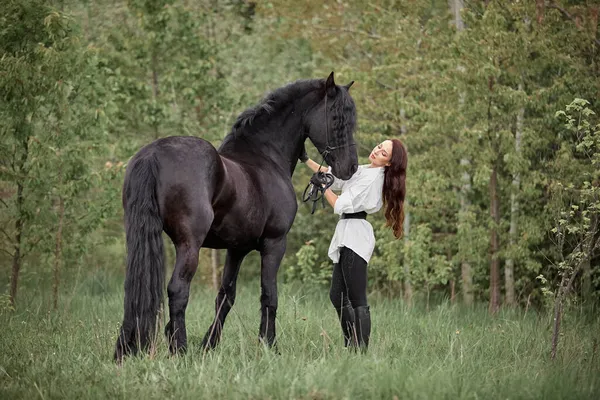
{"points": [[277, 142]]}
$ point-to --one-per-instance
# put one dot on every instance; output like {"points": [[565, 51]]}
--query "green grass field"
{"points": [[447, 352]]}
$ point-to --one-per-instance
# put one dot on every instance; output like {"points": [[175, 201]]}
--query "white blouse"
{"points": [[362, 192]]}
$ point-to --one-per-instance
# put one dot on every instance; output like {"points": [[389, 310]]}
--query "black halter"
{"points": [[321, 181]]}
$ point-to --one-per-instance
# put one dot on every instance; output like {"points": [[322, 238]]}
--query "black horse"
{"points": [[238, 198]]}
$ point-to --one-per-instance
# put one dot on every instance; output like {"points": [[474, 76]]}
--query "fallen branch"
{"points": [[346, 30], [383, 85]]}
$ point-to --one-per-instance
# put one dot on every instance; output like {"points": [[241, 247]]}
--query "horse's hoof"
{"points": [[177, 350], [123, 349], [211, 340], [177, 346], [207, 345], [270, 345]]}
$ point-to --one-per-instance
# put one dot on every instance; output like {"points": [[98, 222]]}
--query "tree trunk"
{"points": [[155, 89], [587, 246], [540, 7], [586, 276], [594, 11], [456, 7], [586, 281], [19, 224], [495, 242], [509, 268], [466, 273], [408, 292], [452, 281], [465, 266], [557, 318], [494, 210], [58, 251], [566, 284], [215, 262], [16, 264]]}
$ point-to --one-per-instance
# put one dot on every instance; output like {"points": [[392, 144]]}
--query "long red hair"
{"points": [[394, 188]]}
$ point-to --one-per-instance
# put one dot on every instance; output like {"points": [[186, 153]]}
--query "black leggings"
{"points": [[349, 280]]}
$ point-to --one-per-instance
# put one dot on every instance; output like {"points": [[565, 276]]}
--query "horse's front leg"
{"points": [[272, 253], [225, 297]]}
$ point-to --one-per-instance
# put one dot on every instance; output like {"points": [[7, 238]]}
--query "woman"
{"points": [[382, 182]]}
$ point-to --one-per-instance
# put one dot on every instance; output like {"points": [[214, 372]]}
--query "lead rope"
{"points": [[315, 190], [320, 181]]}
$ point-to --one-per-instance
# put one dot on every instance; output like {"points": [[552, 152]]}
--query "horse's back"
{"points": [[242, 200]]}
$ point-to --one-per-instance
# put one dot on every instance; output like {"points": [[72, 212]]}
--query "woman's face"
{"points": [[382, 154]]}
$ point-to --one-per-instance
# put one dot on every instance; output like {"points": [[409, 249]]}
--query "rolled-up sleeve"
{"points": [[344, 204], [364, 195]]}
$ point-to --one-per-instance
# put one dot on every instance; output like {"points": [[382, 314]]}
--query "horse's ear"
{"points": [[349, 85], [330, 85]]}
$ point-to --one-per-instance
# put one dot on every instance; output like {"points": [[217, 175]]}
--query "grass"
{"points": [[447, 352]]}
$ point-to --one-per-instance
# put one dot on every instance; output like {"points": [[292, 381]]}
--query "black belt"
{"points": [[358, 215]]}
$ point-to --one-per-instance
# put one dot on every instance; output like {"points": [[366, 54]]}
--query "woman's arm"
{"points": [[331, 197], [314, 166]]}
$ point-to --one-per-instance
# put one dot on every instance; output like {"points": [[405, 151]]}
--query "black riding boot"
{"points": [[346, 316], [363, 326]]}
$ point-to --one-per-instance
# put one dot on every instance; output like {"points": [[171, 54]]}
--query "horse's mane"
{"points": [[248, 120], [341, 111]]}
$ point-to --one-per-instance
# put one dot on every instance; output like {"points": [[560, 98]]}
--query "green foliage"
{"points": [[454, 97], [82, 89], [5, 304], [427, 268], [164, 73], [53, 138], [308, 268], [575, 201]]}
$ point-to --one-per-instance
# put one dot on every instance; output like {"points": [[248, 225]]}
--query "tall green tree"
{"points": [[575, 202], [50, 132]]}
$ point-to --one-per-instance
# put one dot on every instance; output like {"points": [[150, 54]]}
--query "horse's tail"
{"points": [[145, 274]]}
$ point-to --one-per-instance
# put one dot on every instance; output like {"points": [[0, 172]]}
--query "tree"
{"points": [[576, 202], [456, 8], [51, 127], [29, 80]]}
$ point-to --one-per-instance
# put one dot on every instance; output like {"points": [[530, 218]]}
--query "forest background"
{"points": [[496, 102], [493, 291]]}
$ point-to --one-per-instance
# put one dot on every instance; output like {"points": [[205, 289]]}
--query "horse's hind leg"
{"points": [[179, 289], [271, 255], [225, 297], [187, 251]]}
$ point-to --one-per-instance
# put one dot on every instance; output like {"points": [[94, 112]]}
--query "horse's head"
{"points": [[330, 127]]}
